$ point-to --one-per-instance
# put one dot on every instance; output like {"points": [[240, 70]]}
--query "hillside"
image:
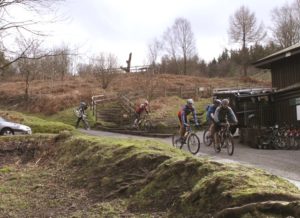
{"points": [[49, 97]]}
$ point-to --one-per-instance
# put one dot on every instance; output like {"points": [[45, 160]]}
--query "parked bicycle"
{"points": [[190, 138], [273, 138], [225, 139]]}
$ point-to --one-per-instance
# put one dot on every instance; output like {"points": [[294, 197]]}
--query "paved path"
{"points": [[284, 163]]}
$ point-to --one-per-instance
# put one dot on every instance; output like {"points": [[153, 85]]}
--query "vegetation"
{"points": [[87, 176], [37, 125]]}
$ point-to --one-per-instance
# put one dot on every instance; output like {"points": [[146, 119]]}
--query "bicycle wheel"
{"points": [[217, 147], [280, 142], [193, 143], [176, 141], [86, 124], [229, 144], [207, 139], [147, 126]]}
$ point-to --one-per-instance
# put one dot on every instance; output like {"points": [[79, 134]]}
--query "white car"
{"points": [[10, 128]]}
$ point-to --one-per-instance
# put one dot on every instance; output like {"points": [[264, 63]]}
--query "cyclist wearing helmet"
{"points": [[80, 112], [223, 114], [210, 114], [182, 116], [211, 110], [143, 108]]}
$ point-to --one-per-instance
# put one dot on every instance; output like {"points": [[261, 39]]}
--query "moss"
{"points": [[152, 178], [5, 170]]}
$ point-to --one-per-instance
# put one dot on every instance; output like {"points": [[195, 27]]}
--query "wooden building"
{"points": [[285, 72]]}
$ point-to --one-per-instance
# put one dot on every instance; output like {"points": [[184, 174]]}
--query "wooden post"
{"points": [[180, 92], [96, 114], [196, 93]]}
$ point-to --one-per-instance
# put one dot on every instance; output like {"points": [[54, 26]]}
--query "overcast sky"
{"points": [[123, 26]]}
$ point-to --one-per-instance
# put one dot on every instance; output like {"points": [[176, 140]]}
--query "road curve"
{"points": [[283, 163]]}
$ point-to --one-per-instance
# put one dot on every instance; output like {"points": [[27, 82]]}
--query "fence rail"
{"points": [[192, 92], [100, 99]]}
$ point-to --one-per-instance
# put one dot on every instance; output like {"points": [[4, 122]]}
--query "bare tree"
{"points": [[27, 65], [286, 24], [179, 42], [9, 27], [243, 29], [154, 48], [105, 68]]}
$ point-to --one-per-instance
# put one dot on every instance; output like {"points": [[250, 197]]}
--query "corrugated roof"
{"points": [[284, 53]]}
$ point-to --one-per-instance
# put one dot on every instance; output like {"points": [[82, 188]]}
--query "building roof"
{"points": [[265, 63], [243, 91]]}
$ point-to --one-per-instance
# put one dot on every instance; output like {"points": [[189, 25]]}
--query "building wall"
{"points": [[286, 72], [285, 107]]}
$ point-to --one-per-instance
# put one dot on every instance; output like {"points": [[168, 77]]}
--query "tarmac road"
{"points": [[283, 163]]}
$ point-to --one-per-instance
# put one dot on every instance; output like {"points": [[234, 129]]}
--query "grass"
{"points": [[81, 175], [74, 175], [37, 125], [155, 176]]}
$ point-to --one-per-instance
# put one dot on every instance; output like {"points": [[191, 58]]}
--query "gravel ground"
{"points": [[283, 163]]}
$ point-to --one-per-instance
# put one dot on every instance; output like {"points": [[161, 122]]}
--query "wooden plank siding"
{"points": [[286, 72], [285, 112]]}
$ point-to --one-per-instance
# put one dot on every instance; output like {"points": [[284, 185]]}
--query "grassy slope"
{"points": [[80, 175], [37, 125]]}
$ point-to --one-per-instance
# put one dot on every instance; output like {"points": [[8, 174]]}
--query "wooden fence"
{"points": [[182, 92]]}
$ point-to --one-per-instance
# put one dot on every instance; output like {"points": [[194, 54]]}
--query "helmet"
{"points": [[146, 102], [190, 101], [225, 102], [83, 105], [217, 101]]}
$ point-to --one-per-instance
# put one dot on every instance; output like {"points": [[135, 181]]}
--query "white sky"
{"points": [[124, 26]]}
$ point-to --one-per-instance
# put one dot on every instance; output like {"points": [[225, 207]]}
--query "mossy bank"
{"points": [[77, 176]]}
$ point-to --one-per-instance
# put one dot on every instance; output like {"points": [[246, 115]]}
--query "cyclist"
{"points": [[182, 116], [80, 112], [210, 115], [143, 108], [223, 113]]}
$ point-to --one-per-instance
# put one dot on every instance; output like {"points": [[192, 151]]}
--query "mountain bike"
{"points": [[83, 117], [144, 124], [190, 138], [207, 137], [273, 138], [85, 122], [225, 139]]}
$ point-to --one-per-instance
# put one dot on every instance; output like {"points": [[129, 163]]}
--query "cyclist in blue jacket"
{"points": [[210, 115], [182, 116]]}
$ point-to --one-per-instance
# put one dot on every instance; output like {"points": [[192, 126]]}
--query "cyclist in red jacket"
{"points": [[143, 108]]}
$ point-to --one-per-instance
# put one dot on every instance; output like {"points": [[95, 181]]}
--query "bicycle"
{"points": [[144, 124], [207, 137], [273, 138], [190, 138], [225, 139], [83, 117]]}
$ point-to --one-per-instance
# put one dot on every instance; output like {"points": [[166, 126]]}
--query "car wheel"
{"points": [[7, 131]]}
